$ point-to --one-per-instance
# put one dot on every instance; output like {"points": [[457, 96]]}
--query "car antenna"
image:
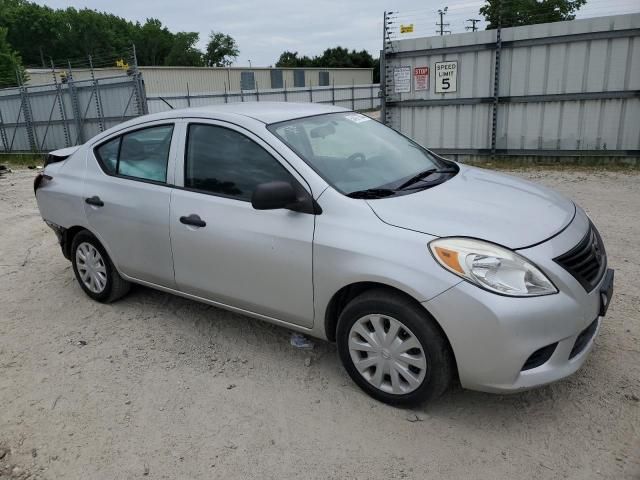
{"points": [[170, 106]]}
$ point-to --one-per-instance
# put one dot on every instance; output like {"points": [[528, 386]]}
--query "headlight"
{"points": [[491, 267]]}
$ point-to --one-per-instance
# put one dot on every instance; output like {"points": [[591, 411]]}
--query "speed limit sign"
{"points": [[446, 77]]}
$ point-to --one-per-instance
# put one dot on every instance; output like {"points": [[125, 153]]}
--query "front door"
{"points": [[226, 251]]}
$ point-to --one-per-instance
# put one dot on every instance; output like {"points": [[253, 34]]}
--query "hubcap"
{"points": [[91, 267], [387, 354]]}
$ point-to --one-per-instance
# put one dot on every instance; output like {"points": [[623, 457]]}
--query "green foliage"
{"points": [[153, 42], [291, 59], [222, 50], [39, 33], [514, 13], [10, 63], [337, 57], [184, 52]]}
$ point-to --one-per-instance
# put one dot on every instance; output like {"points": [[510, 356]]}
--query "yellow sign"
{"points": [[122, 64], [406, 28]]}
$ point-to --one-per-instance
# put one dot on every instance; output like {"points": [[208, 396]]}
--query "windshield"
{"points": [[356, 154]]}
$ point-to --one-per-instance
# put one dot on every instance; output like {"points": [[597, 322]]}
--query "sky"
{"points": [[263, 30]]}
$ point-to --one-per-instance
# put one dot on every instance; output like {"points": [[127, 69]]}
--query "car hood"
{"points": [[481, 204]]}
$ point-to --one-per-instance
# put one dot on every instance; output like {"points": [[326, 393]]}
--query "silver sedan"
{"points": [[319, 219]]}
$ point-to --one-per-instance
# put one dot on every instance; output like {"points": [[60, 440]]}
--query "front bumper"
{"points": [[494, 336]]}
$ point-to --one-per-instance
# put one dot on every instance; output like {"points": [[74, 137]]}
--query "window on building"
{"points": [[247, 81], [276, 79], [298, 78], [323, 79]]}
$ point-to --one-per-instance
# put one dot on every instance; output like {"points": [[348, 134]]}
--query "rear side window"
{"points": [[142, 154], [107, 153], [226, 163]]}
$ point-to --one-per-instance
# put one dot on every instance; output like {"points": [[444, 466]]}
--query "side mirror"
{"points": [[276, 195]]}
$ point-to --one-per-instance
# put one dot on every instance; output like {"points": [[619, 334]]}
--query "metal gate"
{"points": [[66, 112]]}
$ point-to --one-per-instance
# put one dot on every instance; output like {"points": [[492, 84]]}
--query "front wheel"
{"points": [[393, 349], [94, 270]]}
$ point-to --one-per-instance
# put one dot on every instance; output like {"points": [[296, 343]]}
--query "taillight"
{"points": [[41, 180]]}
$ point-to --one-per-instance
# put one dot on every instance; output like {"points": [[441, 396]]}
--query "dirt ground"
{"points": [[156, 386]]}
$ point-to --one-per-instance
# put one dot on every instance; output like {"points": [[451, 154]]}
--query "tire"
{"points": [[390, 310], [113, 286]]}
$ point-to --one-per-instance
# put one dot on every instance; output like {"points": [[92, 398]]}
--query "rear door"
{"points": [[256, 260], [127, 197]]}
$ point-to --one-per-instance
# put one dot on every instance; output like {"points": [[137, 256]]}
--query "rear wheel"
{"points": [[94, 270], [393, 349]]}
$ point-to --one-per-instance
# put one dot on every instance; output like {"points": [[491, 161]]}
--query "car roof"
{"points": [[266, 112]]}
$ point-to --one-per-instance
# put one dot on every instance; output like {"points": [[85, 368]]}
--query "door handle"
{"points": [[95, 201], [193, 220]]}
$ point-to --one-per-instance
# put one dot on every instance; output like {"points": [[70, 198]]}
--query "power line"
{"points": [[472, 27]]}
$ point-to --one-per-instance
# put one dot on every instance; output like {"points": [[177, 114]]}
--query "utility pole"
{"points": [[442, 13], [473, 27], [42, 58]]}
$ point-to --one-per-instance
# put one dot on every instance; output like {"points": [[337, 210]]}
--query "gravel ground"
{"points": [[157, 386]]}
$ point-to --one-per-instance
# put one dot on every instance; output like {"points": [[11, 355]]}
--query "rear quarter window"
{"points": [[107, 154]]}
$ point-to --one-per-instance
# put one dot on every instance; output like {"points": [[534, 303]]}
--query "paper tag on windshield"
{"points": [[357, 118]]}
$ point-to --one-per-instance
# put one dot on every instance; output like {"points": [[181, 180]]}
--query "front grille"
{"points": [[583, 339], [587, 261]]}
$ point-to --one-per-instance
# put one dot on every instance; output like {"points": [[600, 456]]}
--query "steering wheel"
{"points": [[356, 159]]}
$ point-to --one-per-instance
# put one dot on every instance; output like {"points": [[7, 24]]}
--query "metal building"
{"points": [[555, 89], [197, 80]]}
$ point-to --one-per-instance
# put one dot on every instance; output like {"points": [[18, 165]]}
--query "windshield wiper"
{"points": [[372, 193], [422, 175]]}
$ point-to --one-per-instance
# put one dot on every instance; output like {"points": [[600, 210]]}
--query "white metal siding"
{"points": [[586, 65], [174, 80]]}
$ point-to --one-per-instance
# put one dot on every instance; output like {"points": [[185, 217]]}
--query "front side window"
{"points": [[142, 154], [356, 154], [226, 163]]}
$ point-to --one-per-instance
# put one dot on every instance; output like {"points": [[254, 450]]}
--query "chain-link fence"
{"points": [[354, 97], [68, 112]]}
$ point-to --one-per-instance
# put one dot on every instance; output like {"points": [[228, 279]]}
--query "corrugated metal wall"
{"points": [[174, 80], [563, 87]]}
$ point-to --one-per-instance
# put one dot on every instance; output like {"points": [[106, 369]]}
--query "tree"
{"points": [[513, 13], [340, 57], [222, 50], [10, 63], [184, 52], [153, 42], [291, 60], [337, 57], [39, 33]]}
